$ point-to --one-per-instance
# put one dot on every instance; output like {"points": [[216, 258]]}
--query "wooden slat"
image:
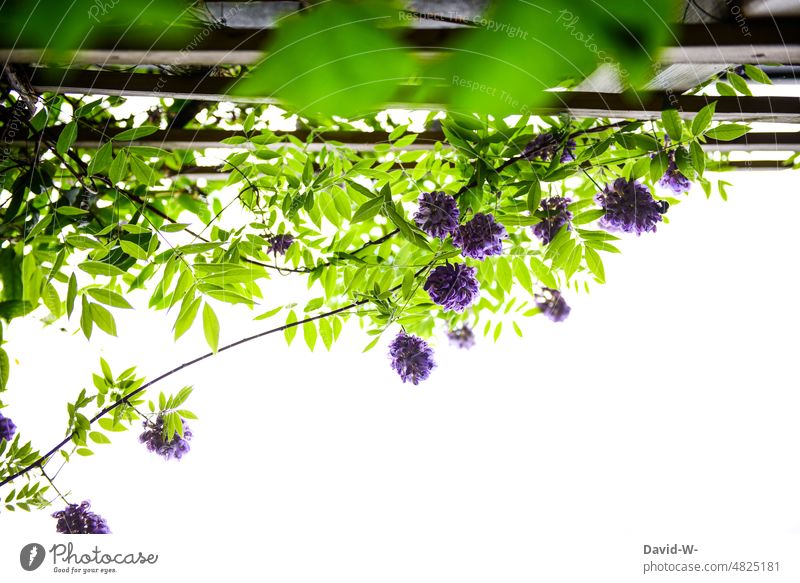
{"points": [[767, 41], [579, 104]]}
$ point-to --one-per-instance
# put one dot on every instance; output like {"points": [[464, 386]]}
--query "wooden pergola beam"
{"points": [[577, 103], [767, 41]]}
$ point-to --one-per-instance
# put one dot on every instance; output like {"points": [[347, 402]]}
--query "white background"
{"points": [[664, 410]]}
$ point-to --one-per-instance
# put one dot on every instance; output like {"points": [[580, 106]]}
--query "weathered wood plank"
{"points": [[765, 41], [579, 104]]}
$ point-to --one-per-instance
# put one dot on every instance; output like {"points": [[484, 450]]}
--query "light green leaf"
{"points": [[211, 327]]}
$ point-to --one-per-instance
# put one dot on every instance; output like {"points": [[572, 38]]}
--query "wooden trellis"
{"points": [[701, 48]]}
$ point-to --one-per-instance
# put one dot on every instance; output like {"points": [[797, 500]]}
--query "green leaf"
{"points": [[67, 137], [5, 368], [104, 319], [310, 334], [86, 317], [757, 75], [135, 133], [595, 264], [351, 62], [326, 333], [738, 83], [70, 211], [119, 167], [211, 327], [728, 131], [102, 159], [72, 293], [725, 90], [534, 195], [108, 297], [503, 273], [84, 451], [698, 157], [367, 210], [100, 268], [703, 118], [290, 331], [186, 316], [98, 437], [133, 249], [142, 171], [672, 123], [658, 166]]}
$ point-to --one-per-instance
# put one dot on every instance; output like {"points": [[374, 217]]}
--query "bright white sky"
{"points": [[664, 410]]}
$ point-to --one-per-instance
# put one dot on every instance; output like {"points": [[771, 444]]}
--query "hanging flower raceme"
{"points": [[568, 155], [412, 358], [7, 428], [556, 215], [552, 304], [629, 207], [77, 519], [480, 237], [454, 287], [153, 437], [279, 244], [673, 179], [543, 147], [462, 337], [437, 215]]}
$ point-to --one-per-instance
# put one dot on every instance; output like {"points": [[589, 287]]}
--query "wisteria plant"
{"points": [[503, 219]]}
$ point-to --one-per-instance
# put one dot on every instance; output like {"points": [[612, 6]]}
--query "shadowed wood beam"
{"points": [[577, 103], [763, 42]]}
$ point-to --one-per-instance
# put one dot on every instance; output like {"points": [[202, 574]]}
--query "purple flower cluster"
{"points": [[77, 519], [412, 358], [454, 287], [7, 428], [437, 215], [552, 304], [544, 147], [279, 244], [568, 155], [629, 207], [153, 437], [673, 179], [480, 237], [556, 215], [463, 337]]}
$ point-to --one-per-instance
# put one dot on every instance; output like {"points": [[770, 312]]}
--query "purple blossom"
{"points": [[543, 147], [77, 519], [153, 437], [7, 428], [453, 287], [437, 214], [463, 337], [552, 304], [412, 358], [279, 244], [629, 207], [673, 179], [568, 154], [556, 215], [480, 237]]}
